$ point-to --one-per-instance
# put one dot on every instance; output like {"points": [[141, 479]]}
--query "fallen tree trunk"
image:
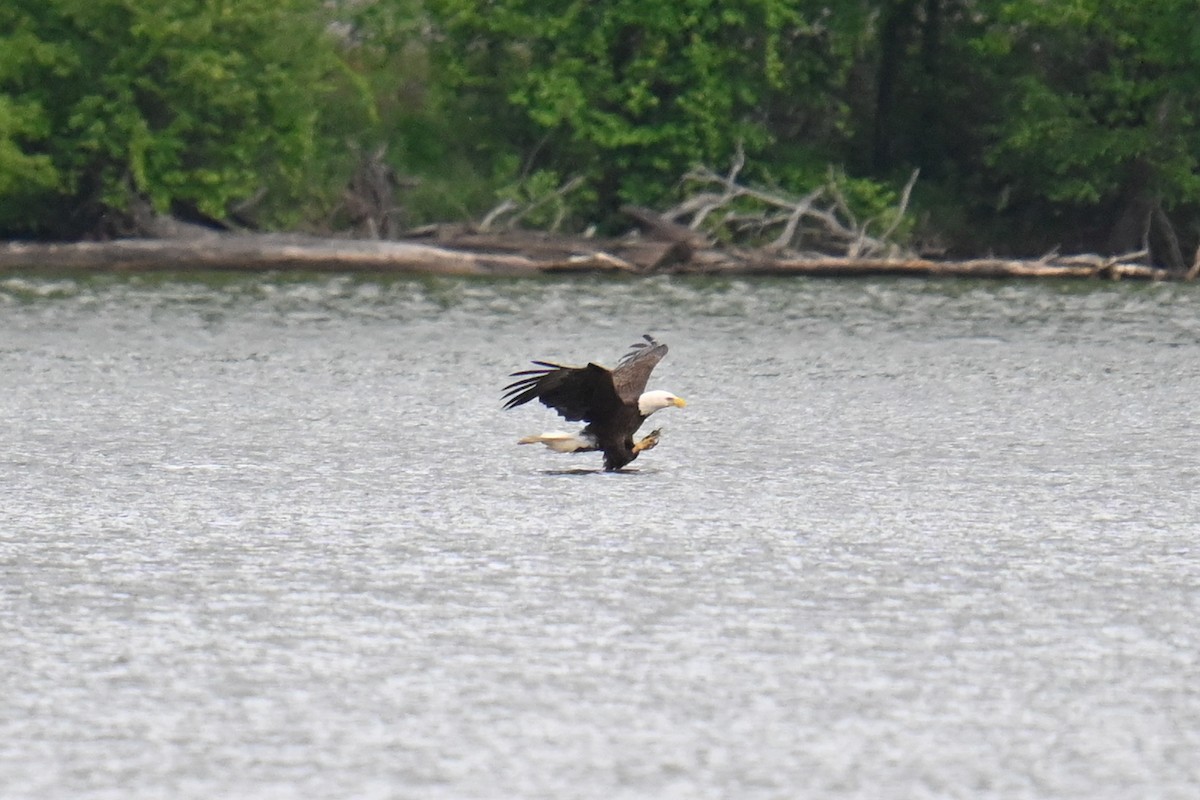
{"points": [[840, 266], [255, 253], [470, 253]]}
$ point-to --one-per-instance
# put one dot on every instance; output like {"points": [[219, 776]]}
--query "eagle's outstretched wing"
{"points": [[633, 371], [577, 393]]}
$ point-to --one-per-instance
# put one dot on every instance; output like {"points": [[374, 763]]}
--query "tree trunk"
{"points": [[893, 36]]}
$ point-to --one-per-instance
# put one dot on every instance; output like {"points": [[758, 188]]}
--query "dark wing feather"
{"points": [[633, 371], [577, 393]]}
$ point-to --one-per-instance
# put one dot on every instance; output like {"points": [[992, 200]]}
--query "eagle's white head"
{"points": [[650, 402]]}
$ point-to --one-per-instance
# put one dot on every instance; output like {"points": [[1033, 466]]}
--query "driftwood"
{"points": [[251, 253], [820, 220], [472, 253], [1074, 267]]}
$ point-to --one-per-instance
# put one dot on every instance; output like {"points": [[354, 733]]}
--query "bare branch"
{"points": [[789, 230], [1195, 270], [754, 213], [739, 161], [901, 209], [519, 212], [497, 212]]}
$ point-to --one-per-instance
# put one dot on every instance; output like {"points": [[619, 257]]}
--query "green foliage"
{"points": [[19, 169], [412, 113], [874, 204], [628, 93], [544, 200], [23, 120], [177, 102], [1109, 106], [1061, 121]]}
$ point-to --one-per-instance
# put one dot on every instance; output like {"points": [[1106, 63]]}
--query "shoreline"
{"points": [[522, 253]]}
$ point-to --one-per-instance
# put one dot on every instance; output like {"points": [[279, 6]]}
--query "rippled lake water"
{"points": [[268, 537]]}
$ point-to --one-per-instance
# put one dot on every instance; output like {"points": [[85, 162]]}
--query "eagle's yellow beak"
{"points": [[679, 402]]}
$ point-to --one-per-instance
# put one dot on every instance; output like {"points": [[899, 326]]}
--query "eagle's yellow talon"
{"points": [[649, 442]]}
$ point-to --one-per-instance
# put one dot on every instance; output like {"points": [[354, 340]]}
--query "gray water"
{"points": [[271, 538]]}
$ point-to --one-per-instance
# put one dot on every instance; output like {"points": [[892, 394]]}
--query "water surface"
{"points": [[271, 537]]}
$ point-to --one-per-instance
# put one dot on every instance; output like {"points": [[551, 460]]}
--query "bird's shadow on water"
{"points": [[578, 471]]}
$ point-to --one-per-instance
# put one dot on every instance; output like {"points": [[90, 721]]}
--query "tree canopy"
{"points": [[175, 102], [1034, 125]]}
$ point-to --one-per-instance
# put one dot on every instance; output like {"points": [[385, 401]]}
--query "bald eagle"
{"points": [[613, 403]]}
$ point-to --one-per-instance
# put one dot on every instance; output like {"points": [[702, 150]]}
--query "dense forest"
{"points": [[1032, 125]]}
